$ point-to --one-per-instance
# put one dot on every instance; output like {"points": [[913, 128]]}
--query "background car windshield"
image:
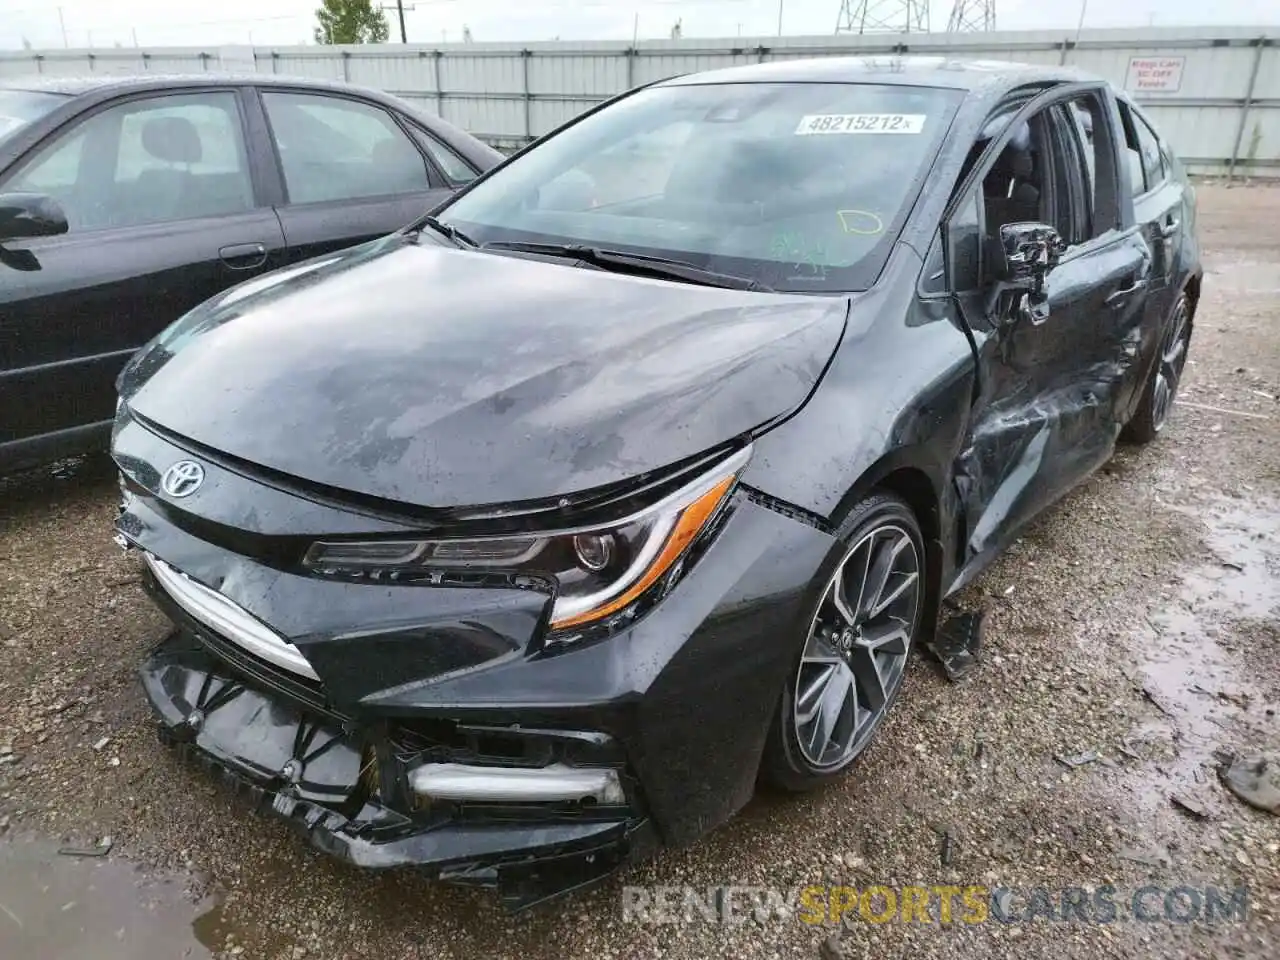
{"points": [[800, 186], [20, 107]]}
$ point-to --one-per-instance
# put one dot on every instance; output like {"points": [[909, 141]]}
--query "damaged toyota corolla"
{"points": [[530, 537]]}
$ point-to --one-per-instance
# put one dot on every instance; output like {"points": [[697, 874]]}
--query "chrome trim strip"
{"points": [[556, 782], [228, 619]]}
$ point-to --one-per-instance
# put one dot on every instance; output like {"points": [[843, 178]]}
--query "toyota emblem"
{"points": [[182, 479]]}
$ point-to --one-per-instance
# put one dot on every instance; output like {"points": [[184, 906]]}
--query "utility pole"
{"points": [[1084, 5], [780, 2], [63, 24], [400, 8]]}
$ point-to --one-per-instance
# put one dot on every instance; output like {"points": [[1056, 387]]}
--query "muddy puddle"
{"points": [[64, 907], [1196, 653]]}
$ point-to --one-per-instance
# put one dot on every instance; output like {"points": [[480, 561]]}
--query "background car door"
{"points": [[162, 213], [351, 172], [1045, 415]]}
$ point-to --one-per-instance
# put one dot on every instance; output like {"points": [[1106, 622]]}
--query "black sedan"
{"points": [[533, 535], [126, 201]]}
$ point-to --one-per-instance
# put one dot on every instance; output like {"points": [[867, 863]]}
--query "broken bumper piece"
{"points": [[386, 795]]}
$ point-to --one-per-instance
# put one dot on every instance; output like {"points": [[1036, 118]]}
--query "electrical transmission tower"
{"points": [[972, 15], [883, 16]]}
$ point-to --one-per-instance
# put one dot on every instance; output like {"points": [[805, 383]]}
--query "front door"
{"points": [[1045, 414], [162, 216], [351, 172]]}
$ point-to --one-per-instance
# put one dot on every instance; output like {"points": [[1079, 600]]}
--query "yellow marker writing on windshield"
{"points": [[862, 222]]}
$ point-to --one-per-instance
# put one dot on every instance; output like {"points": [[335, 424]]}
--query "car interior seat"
{"points": [[1011, 190], [168, 191]]}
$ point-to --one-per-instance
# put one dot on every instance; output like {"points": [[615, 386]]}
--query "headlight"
{"points": [[596, 571]]}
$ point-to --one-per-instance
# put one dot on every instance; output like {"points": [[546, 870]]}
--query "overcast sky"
{"points": [[181, 22]]}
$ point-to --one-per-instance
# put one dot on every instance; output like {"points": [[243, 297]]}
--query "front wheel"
{"points": [[854, 656], [1162, 386]]}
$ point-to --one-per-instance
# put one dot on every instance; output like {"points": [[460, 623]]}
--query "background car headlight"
{"points": [[597, 571]]}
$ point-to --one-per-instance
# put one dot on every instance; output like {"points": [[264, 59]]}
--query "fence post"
{"points": [[1259, 44], [1064, 45], [346, 66], [39, 64], [631, 67], [439, 90], [525, 56]]}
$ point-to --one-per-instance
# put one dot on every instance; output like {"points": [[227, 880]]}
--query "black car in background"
{"points": [[531, 535], [126, 201]]}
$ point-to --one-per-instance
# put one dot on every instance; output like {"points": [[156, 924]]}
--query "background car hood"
{"points": [[444, 378]]}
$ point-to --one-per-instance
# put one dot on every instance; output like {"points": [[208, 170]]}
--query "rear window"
{"points": [[20, 107]]}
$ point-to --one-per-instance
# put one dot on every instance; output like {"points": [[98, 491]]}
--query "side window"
{"points": [[1132, 151], [56, 169], [332, 148], [455, 169], [155, 160], [1024, 184], [964, 245], [1149, 147]]}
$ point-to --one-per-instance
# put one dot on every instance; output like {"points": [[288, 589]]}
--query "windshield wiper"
{"points": [[631, 263], [448, 229]]}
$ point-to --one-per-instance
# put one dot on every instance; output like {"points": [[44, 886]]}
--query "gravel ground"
{"points": [[1138, 621]]}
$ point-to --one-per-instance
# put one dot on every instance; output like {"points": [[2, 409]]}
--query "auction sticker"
{"points": [[860, 123]]}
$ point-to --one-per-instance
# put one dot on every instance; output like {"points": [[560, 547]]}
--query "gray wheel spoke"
{"points": [[888, 638], [868, 552], [871, 682], [817, 650], [840, 598], [810, 699], [837, 698], [879, 568], [896, 589]]}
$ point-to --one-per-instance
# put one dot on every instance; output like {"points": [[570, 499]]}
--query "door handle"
{"points": [[1170, 228], [243, 256], [1120, 297]]}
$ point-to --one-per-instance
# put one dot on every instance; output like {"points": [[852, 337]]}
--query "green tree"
{"points": [[350, 21]]}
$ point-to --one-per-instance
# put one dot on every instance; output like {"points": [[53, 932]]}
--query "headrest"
{"points": [[172, 139]]}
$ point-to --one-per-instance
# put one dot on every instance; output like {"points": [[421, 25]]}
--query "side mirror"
{"points": [[26, 215], [1028, 251]]}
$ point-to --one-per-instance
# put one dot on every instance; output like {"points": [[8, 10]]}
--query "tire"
{"points": [[1161, 388], [848, 670]]}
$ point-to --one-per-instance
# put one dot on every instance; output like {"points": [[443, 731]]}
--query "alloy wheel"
{"points": [[1173, 356], [856, 652]]}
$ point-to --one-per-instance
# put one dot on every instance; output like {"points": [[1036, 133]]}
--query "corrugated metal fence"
{"points": [[1213, 92]]}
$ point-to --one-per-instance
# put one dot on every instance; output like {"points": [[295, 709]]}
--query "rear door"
{"points": [[1157, 208], [350, 171], [164, 213], [1045, 414]]}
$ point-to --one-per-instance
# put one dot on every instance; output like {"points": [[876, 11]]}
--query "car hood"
{"points": [[441, 377]]}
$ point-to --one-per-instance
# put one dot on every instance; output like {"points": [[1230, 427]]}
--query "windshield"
{"points": [[20, 107], [799, 186]]}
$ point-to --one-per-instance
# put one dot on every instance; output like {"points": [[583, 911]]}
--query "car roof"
{"points": [[76, 86], [906, 71]]}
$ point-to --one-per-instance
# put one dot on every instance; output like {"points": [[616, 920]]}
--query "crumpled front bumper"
{"points": [[320, 771]]}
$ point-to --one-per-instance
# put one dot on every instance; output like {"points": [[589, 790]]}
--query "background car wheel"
{"points": [[854, 656], [1162, 385]]}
